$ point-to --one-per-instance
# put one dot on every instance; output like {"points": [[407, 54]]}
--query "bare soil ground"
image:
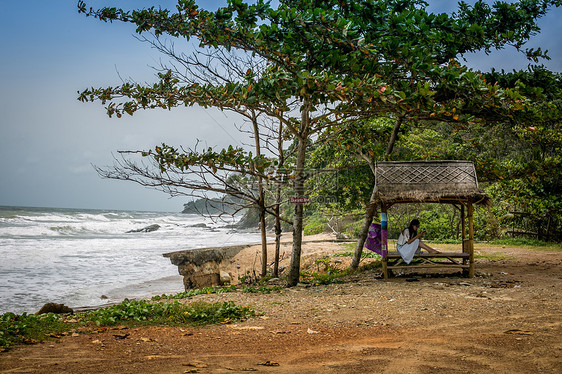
{"points": [[507, 319]]}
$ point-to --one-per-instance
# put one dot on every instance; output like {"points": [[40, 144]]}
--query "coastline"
{"points": [[137, 291], [237, 263], [74, 256], [246, 262]]}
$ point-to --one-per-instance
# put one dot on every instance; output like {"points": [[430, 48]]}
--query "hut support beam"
{"points": [[463, 227], [465, 261], [384, 240], [369, 214], [470, 247]]}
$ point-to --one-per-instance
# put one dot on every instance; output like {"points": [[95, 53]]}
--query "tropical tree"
{"points": [[527, 176], [343, 61], [210, 174], [517, 160]]}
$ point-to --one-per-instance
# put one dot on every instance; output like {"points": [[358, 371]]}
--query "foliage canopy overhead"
{"points": [[363, 57]]}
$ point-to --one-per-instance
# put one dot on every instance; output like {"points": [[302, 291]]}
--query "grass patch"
{"points": [[28, 328], [349, 246], [328, 275], [324, 278], [444, 241], [492, 256], [142, 312], [261, 289], [533, 244], [215, 290], [31, 328], [196, 291], [365, 254]]}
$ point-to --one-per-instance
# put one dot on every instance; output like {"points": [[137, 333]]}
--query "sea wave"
{"points": [[73, 256], [25, 225]]}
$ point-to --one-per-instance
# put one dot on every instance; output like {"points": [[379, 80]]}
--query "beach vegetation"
{"points": [[196, 291], [31, 328], [28, 328], [217, 290], [315, 224], [142, 312]]}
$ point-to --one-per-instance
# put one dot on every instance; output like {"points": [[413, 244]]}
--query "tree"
{"points": [[342, 61], [517, 159], [216, 81], [526, 177]]}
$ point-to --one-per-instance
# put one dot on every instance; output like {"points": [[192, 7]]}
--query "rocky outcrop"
{"points": [[54, 308], [146, 229], [226, 204], [204, 267]]}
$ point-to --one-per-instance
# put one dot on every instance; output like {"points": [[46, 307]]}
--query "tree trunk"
{"points": [[277, 243], [278, 230], [294, 270], [371, 207], [393, 137], [261, 202], [263, 242], [369, 214]]}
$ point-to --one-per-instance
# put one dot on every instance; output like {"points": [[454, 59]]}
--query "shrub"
{"points": [[141, 311], [196, 291], [315, 224], [31, 328]]}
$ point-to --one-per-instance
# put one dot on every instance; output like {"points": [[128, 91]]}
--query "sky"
{"points": [[49, 140]]}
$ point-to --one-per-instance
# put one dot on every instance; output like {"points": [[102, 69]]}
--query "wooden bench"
{"points": [[456, 260]]}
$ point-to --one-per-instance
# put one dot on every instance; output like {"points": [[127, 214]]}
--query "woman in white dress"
{"points": [[409, 242]]}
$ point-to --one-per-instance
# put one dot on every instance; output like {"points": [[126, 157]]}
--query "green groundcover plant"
{"points": [[31, 328]]}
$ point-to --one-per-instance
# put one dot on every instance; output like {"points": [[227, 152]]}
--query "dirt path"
{"points": [[505, 320]]}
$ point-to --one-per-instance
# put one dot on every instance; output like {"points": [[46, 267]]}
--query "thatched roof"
{"points": [[428, 181]]}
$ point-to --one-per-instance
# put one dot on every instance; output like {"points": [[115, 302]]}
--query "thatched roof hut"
{"points": [[428, 181], [444, 182]]}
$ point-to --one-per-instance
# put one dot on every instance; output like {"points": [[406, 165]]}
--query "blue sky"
{"points": [[48, 140]]}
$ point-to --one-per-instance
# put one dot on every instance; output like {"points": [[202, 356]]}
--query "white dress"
{"points": [[407, 251]]}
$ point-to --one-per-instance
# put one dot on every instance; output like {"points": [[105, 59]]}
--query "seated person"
{"points": [[409, 242]]}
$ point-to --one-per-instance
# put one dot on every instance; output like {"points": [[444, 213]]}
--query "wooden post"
{"points": [[463, 228], [465, 261], [384, 241], [470, 246]]}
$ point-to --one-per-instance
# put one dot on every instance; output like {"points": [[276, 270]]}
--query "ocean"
{"points": [[88, 257]]}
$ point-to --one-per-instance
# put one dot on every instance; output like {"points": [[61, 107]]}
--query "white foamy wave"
{"points": [[91, 224], [93, 217], [50, 218]]}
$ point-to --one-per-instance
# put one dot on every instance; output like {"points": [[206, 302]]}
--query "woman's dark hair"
{"points": [[415, 222]]}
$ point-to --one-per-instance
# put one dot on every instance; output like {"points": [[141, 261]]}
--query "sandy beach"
{"points": [[505, 320]]}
